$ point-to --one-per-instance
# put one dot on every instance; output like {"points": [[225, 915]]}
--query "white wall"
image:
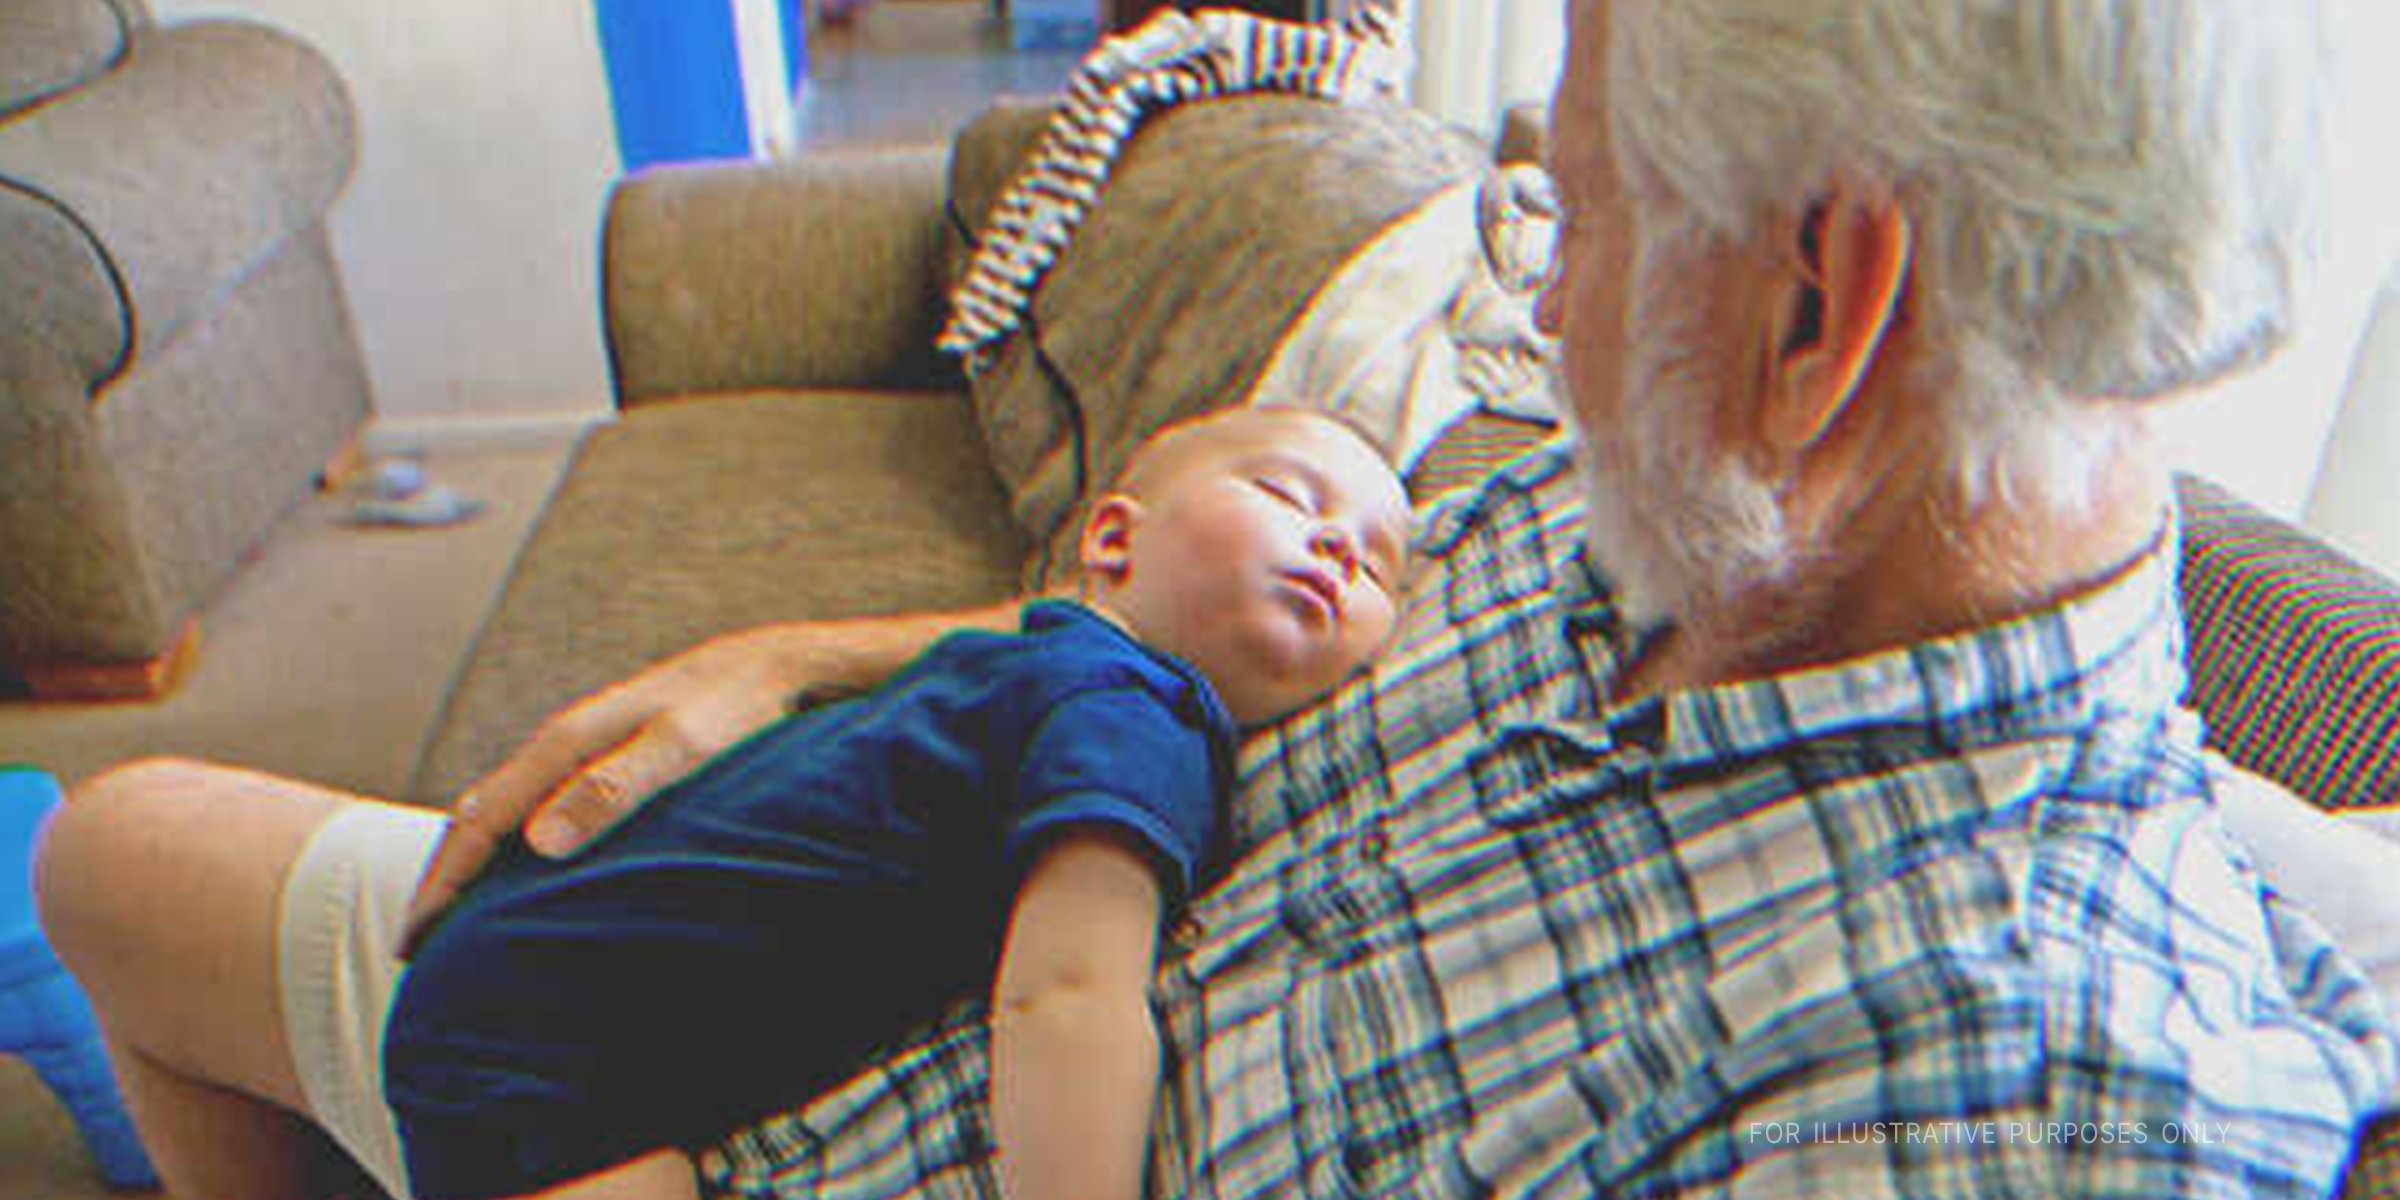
{"points": [[1475, 58], [1456, 43], [2270, 434], [2356, 502], [468, 239], [2264, 433], [2356, 498]]}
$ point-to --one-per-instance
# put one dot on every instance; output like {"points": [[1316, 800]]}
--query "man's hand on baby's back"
{"points": [[595, 763]]}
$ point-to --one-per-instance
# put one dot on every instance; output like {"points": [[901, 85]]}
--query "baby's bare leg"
{"points": [[160, 884]]}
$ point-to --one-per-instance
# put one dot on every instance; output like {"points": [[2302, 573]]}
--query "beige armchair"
{"points": [[176, 357]]}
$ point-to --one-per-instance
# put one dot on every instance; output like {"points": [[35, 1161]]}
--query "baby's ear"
{"points": [[1106, 551]]}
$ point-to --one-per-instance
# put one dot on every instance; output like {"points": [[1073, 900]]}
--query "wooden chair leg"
{"points": [[79, 682], [345, 465]]}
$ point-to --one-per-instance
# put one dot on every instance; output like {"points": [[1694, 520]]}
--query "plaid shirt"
{"points": [[1958, 919]]}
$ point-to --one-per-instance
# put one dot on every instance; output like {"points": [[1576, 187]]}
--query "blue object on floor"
{"points": [[43, 1015], [428, 508]]}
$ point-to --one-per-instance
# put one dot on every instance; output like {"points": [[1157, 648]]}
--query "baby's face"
{"points": [[1273, 561]]}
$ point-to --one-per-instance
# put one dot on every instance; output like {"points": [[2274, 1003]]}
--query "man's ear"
{"points": [[1853, 246], [1106, 550]]}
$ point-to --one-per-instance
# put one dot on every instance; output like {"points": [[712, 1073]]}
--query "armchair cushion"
{"points": [[77, 316], [48, 46]]}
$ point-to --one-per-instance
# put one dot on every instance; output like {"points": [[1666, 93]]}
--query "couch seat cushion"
{"points": [[690, 518]]}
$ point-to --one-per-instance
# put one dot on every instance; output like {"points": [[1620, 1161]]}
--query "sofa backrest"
{"points": [[2294, 650], [51, 46]]}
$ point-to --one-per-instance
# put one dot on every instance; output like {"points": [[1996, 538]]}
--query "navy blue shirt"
{"points": [[852, 868]]}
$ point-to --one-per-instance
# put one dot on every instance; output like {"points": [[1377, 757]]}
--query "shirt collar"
{"points": [[2117, 646], [1192, 694]]}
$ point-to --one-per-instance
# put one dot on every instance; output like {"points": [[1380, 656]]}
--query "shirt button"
{"points": [[1357, 1159]]}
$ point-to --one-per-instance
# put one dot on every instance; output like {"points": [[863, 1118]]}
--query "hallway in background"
{"points": [[914, 71]]}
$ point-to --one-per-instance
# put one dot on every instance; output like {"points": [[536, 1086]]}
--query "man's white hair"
{"points": [[2111, 199]]}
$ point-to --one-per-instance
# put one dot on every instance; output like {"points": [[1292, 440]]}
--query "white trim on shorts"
{"points": [[337, 969]]}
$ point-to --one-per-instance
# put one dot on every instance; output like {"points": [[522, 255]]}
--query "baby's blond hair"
{"points": [[1172, 450]]}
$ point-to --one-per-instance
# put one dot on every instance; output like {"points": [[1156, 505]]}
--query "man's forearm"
{"points": [[836, 658]]}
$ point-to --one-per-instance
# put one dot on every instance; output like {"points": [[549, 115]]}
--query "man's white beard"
{"points": [[1677, 544], [1680, 525]]}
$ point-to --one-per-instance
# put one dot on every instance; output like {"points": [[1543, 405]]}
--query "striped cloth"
{"points": [[1171, 59], [1471, 450], [1959, 919]]}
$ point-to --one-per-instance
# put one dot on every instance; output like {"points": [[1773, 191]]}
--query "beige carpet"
{"points": [[327, 658]]}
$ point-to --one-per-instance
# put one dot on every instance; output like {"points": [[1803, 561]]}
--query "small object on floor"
{"points": [[43, 1014], [397, 493], [393, 479], [431, 507]]}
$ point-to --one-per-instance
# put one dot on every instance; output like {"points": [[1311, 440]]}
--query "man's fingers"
{"points": [[605, 792], [489, 812], [557, 752], [484, 817], [467, 844]]}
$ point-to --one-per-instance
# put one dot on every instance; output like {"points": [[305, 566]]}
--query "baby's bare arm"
{"points": [[1074, 1049]]}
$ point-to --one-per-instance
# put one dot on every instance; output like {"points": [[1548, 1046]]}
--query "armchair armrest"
{"points": [[155, 186], [75, 571], [821, 271], [2294, 652]]}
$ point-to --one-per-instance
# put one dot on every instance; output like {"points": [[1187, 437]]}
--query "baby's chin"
{"points": [[1269, 705], [1281, 671]]}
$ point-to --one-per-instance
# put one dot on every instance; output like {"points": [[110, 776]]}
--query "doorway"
{"points": [[913, 71]]}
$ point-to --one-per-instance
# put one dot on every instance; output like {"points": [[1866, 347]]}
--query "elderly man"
{"points": [[1829, 828]]}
